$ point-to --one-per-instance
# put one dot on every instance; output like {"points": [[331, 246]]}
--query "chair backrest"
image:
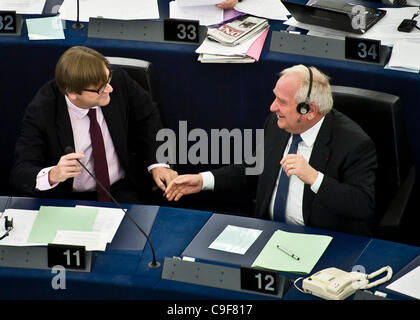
{"points": [[138, 70], [379, 115]]}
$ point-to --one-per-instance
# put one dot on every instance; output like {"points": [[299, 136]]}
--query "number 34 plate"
{"points": [[362, 49]]}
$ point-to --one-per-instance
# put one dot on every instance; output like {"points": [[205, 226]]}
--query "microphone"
{"points": [[78, 25], [152, 264]]}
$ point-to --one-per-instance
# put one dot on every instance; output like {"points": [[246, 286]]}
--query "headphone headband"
{"points": [[303, 107]]}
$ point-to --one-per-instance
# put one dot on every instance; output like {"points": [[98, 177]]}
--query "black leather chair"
{"points": [[139, 70], [142, 72], [379, 114]]}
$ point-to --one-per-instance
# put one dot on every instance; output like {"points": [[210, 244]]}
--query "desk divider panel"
{"points": [[137, 30], [320, 47]]}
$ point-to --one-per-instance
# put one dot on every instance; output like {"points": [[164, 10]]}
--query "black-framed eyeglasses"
{"points": [[102, 89]]}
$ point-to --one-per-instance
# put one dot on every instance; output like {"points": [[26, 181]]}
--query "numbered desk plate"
{"points": [[223, 277], [68, 256], [326, 48], [36, 258], [366, 50], [186, 32], [10, 23], [181, 30]]}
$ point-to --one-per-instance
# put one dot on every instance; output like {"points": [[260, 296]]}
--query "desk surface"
{"points": [[124, 274]]}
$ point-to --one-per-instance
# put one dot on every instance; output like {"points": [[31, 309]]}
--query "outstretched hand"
{"points": [[183, 185], [163, 176], [227, 4]]}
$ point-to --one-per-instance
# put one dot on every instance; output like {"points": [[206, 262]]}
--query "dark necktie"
{"points": [[283, 187], [99, 157]]}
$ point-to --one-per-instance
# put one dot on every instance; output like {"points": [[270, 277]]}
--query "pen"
{"points": [[288, 253]]}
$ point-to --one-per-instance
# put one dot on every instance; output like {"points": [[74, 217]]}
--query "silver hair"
{"points": [[321, 90]]}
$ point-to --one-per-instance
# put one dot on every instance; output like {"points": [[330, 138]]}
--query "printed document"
{"points": [[235, 239], [408, 284], [110, 9], [23, 6]]}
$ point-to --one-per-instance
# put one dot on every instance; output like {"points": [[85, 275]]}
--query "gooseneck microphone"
{"points": [[78, 25], [152, 264]]}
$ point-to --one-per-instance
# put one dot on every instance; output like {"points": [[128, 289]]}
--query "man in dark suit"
{"points": [[60, 116], [329, 178]]}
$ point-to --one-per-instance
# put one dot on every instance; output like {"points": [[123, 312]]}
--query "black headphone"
{"points": [[303, 107]]}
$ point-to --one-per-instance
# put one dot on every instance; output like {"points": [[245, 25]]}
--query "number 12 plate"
{"points": [[259, 280]]}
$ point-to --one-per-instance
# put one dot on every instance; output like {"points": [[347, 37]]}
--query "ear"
{"points": [[72, 96], [313, 111]]}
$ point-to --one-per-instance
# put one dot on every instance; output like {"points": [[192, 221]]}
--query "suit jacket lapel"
{"points": [[272, 156], [64, 129], [318, 160]]}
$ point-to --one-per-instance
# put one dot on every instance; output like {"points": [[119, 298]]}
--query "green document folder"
{"points": [[307, 247], [51, 219]]}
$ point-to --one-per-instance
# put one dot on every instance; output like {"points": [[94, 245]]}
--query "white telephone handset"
{"points": [[336, 284]]}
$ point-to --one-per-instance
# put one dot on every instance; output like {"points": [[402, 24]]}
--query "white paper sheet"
{"points": [[23, 220], [409, 284], [108, 220], [194, 3], [270, 9], [207, 15], [405, 54], [93, 241], [235, 239], [111, 9], [45, 28], [23, 6]]}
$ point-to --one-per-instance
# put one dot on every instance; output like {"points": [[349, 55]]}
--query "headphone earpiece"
{"points": [[303, 107]]}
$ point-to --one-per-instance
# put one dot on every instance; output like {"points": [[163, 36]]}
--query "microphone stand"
{"points": [[78, 25], [152, 264]]}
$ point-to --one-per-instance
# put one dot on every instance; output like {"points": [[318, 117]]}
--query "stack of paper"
{"points": [[270, 9], [298, 252], [405, 56], [86, 226], [246, 52], [202, 10]]}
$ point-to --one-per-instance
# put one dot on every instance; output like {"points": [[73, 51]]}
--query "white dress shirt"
{"points": [[294, 212], [80, 124]]}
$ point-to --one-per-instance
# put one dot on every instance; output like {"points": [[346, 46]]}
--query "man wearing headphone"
{"points": [[319, 166]]}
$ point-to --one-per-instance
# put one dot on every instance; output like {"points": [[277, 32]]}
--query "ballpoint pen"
{"points": [[288, 253]]}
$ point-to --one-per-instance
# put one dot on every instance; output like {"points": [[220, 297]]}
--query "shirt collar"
{"points": [[310, 135], [77, 112]]}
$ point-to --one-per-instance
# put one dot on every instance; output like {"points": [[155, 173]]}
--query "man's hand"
{"points": [[163, 176], [67, 167], [295, 164], [227, 4], [184, 184]]}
